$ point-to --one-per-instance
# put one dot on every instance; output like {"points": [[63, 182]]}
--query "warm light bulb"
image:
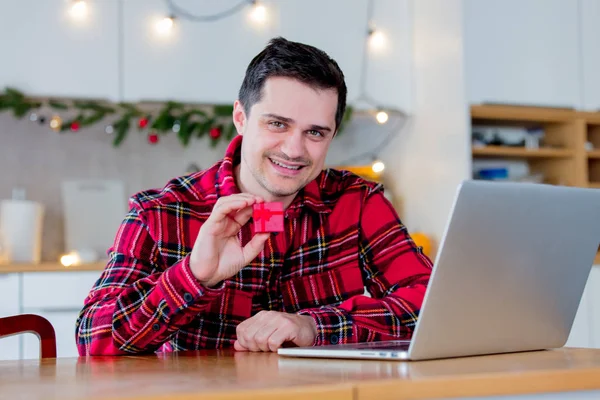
{"points": [[378, 166], [56, 123], [259, 13], [79, 9], [377, 40], [70, 259], [165, 25], [382, 117]]}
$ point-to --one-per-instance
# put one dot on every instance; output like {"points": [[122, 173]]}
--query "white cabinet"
{"points": [[523, 52], [203, 62], [59, 306], [9, 305], [206, 62], [590, 46], [56, 296], [64, 329], [46, 52], [586, 328], [594, 314], [57, 290], [581, 335]]}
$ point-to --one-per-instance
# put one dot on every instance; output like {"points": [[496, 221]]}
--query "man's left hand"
{"points": [[268, 330]]}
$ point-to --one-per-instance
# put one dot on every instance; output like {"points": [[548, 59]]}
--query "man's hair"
{"points": [[307, 64]]}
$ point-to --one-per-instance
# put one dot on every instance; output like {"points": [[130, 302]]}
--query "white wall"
{"points": [[432, 156], [523, 52], [590, 53], [533, 52]]}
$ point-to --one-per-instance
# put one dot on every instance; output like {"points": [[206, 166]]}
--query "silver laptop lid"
{"points": [[511, 269]]}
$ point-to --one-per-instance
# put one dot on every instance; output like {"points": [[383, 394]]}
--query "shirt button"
{"points": [[188, 298], [156, 327], [334, 339]]}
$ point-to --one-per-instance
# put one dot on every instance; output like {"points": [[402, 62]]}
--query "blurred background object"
{"points": [[21, 223]]}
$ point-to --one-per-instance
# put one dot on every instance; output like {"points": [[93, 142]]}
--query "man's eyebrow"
{"points": [[291, 121], [279, 117], [320, 128]]}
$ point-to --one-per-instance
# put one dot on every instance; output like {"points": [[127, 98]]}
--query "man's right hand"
{"points": [[218, 253]]}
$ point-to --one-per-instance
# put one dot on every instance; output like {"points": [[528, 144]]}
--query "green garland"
{"points": [[187, 121]]}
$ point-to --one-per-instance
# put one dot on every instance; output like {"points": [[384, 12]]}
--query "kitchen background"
{"points": [[426, 59], [115, 52]]}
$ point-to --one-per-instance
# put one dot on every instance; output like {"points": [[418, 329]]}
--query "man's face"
{"points": [[286, 136]]}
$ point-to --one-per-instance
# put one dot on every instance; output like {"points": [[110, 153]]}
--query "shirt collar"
{"points": [[224, 179], [310, 196]]}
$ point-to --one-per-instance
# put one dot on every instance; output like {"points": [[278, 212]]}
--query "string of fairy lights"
{"points": [[258, 14]]}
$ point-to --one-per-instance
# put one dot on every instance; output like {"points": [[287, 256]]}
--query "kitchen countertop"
{"points": [[50, 267]]}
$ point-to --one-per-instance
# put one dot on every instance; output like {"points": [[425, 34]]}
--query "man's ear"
{"points": [[239, 117]]}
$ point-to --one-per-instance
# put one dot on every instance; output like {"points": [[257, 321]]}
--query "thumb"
{"points": [[254, 246], [239, 347]]}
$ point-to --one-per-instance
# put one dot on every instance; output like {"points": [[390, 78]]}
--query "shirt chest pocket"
{"points": [[329, 287]]}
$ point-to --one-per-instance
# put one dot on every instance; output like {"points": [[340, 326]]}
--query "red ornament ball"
{"points": [[143, 122], [75, 126], [215, 133], [153, 138]]}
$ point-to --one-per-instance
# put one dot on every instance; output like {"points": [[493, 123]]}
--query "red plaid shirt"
{"points": [[341, 235]]}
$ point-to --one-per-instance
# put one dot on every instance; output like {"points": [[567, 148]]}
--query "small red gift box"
{"points": [[268, 217]]}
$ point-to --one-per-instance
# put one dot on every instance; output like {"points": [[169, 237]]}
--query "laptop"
{"points": [[508, 277]]}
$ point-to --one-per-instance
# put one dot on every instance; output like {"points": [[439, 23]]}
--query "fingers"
{"points": [[242, 216], [236, 206], [266, 331], [254, 247], [247, 330], [284, 334], [223, 208], [238, 347], [262, 334]]}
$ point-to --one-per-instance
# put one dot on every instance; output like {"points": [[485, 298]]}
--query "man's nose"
{"points": [[293, 145]]}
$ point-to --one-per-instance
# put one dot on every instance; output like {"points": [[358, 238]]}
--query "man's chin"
{"points": [[280, 190], [283, 192]]}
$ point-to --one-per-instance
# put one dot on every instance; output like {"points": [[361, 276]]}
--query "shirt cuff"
{"points": [[334, 326], [182, 290]]}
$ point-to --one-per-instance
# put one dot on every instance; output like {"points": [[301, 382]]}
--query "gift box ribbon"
{"points": [[263, 215]]}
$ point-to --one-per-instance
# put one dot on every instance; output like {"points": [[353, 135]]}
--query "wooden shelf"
{"points": [[591, 118], [50, 267], [503, 151], [520, 113], [567, 131]]}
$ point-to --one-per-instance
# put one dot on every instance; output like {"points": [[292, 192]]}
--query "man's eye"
{"points": [[315, 133], [277, 124]]}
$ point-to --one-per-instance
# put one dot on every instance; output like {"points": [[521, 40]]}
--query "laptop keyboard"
{"points": [[397, 345], [386, 345]]}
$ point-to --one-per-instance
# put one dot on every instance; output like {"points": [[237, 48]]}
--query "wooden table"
{"points": [[230, 375]]}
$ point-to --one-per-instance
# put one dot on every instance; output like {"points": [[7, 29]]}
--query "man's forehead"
{"points": [[299, 104]]}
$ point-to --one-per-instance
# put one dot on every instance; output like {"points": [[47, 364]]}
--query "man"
{"points": [[187, 271]]}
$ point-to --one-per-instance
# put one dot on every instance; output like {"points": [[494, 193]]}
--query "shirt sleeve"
{"points": [[397, 274], [137, 303]]}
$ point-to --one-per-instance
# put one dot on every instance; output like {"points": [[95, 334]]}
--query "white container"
{"points": [[21, 223], [93, 212]]}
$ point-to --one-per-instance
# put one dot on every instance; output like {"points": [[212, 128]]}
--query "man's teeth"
{"points": [[285, 166]]}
